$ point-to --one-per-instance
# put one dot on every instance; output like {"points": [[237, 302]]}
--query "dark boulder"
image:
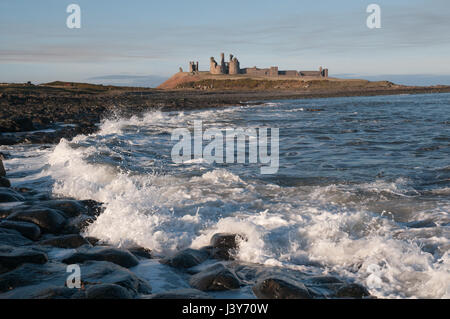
{"points": [[2, 169], [8, 195], [13, 238], [69, 208], [48, 280], [49, 220], [225, 246], [280, 288], [107, 291], [66, 241], [92, 240], [215, 278], [4, 182], [352, 291], [77, 224], [187, 258], [183, 293], [12, 257], [141, 252], [29, 230], [59, 293], [118, 256]]}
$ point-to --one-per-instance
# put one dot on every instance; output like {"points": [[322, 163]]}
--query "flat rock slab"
{"points": [[187, 258], [140, 252], [13, 257], [107, 291], [4, 182], [225, 245], [13, 238], [118, 256], [28, 230], [2, 169], [69, 208], [185, 293], [49, 280], [352, 291], [215, 278], [8, 195], [65, 241], [49, 220], [280, 288]]}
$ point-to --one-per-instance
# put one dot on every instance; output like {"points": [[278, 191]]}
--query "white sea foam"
{"points": [[335, 226]]}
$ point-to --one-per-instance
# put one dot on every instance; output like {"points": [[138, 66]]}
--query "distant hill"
{"points": [[206, 81]]}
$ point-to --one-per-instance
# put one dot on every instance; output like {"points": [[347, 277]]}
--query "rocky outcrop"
{"points": [[65, 241], [118, 256], [183, 293], [187, 258], [280, 288], [107, 291], [215, 278], [12, 257], [29, 230], [45, 281], [225, 246]]}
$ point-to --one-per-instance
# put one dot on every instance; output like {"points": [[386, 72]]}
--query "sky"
{"points": [[142, 42]]}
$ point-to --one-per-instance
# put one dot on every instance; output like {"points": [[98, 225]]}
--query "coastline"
{"points": [[46, 113], [42, 234]]}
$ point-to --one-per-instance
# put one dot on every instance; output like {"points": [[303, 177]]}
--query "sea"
{"points": [[362, 190]]}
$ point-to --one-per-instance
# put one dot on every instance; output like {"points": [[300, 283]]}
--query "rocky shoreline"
{"points": [[40, 236], [44, 114]]}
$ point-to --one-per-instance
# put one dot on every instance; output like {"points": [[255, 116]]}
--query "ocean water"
{"points": [[363, 189]]}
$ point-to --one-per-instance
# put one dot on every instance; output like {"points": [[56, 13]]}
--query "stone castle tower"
{"points": [[231, 67]]}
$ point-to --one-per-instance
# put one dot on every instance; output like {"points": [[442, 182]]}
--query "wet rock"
{"points": [[70, 208], [421, 224], [4, 182], [323, 280], [12, 237], [34, 281], [28, 230], [60, 293], [8, 195], [94, 208], [355, 291], [184, 293], [12, 257], [187, 258], [2, 169], [115, 255], [280, 288], [142, 252], [215, 278], [49, 220], [92, 240], [78, 224], [224, 246], [107, 291], [65, 241]]}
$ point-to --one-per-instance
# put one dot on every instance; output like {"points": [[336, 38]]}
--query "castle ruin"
{"points": [[232, 67]]}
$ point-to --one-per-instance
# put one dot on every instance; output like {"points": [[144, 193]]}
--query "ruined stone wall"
{"points": [[214, 68], [234, 67], [255, 71]]}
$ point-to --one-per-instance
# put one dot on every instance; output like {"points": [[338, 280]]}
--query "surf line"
{"points": [[233, 140]]}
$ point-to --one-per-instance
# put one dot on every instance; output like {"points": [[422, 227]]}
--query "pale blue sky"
{"points": [[136, 39]]}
